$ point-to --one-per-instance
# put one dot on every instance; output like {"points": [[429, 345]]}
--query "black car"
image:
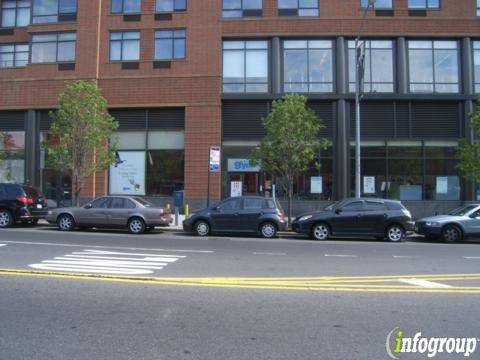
{"points": [[379, 218], [243, 214], [21, 203]]}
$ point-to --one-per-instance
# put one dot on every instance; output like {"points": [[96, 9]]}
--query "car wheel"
{"points": [[136, 226], [451, 234], [395, 233], [320, 231], [65, 222], [6, 219], [268, 230], [202, 228]]}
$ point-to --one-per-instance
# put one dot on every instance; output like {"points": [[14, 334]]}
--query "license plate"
{"points": [[39, 206]]}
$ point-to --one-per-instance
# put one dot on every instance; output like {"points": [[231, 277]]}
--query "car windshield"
{"points": [[461, 211], [143, 202], [335, 205]]}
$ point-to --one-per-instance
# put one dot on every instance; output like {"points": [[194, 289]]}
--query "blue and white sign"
{"points": [[242, 165], [214, 159]]}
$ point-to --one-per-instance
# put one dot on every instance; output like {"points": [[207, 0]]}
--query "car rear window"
{"points": [[250, 204], [395, 206], [374, 206], [268, 204], [32, 192]]}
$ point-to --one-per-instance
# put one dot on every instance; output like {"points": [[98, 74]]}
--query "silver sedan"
{"points": [[133, 213]]}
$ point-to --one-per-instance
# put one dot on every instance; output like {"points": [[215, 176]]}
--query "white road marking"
{"points": [[269, 253], [407, 256], [3, 245], [472, 257], [108, 262], [424, 283], [109, 247], [340, 255]]}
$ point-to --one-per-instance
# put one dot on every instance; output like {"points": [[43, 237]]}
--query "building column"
{"points": [[402, 69], [341, 129], [276, 75], [32, 148], [469, 106]]}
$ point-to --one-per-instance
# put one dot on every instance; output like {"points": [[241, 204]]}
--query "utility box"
{"points": [[178, 199]]}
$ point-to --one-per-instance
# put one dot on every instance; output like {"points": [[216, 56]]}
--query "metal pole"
{"points": [[358, 59], [208, 187]]}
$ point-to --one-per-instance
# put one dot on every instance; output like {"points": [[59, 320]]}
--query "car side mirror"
{"points": [[88, 206], [338, 211]]}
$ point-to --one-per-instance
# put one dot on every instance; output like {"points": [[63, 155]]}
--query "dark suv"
{"points": [[21, 203], [379, 218], [243, 214]]}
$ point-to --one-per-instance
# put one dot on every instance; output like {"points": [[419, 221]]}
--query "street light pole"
{"points": [[359, 72]]}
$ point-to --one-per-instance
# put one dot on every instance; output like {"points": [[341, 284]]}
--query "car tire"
{"points": [[268, 230], [6, 219], [136, 226], [395, 233], [202, 228], [320, 231], [451, 234], [65, 222]]}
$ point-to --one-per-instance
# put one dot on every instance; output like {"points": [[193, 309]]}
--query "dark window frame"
{"points": [[121, 45], [245, 12], [58, 14], [57, 41], [15, 52], [296, 11], [172, 38], [175, 9], [2, 9], [123, 8]]}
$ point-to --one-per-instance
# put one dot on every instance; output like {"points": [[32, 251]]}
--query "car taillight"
{"points": [[164, 213], [25, 200], [281, 214], [407, 213]]}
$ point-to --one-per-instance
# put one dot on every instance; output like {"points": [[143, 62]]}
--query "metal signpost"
{"points": [[213, 167]]}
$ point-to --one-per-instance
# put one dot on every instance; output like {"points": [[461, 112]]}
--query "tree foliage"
{"points": [[292, 141], [468, 154], [82, 127]]}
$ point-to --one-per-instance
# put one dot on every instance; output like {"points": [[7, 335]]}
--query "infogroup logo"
{"points": [[397, 344]]}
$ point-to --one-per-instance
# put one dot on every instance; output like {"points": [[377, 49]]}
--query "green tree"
{"points": [[291, 143], [83, 128], [468, 154]]}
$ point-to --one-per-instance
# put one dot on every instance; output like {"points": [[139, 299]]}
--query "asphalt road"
{"points": [[166, 295]]}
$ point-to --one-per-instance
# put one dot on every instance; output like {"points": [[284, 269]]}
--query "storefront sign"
{"points": [[369, 184], [235, 188], [127, 175], [214, 159], [242, 165], [316, 185], [442, 184]]}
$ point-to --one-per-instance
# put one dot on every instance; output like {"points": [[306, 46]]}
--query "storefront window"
{"points": [[408, 170], [165, 171], [12, 156]]}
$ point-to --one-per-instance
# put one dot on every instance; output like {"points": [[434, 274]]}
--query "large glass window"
{"points": [[408, 170], [13, 55], [478, 7], [378, 76], [165, 158], [170, 44], [245, 66], [476, 64], [124, 46], [308, 66], [298, 7], [46, 11], [433, 66], [378, 4], [126, 6], [15, 13], [53, 47], [170, 5], [423, 4], [239, 8], [12, 156]]}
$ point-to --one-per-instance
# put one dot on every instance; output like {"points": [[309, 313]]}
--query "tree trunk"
{"points": [[76, 191]]}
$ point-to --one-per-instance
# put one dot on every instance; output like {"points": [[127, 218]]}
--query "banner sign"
{"points": [[214, 165], [127, 175]]}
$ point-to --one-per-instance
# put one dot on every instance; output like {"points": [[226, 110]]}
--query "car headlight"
{"points": [[432, 223], [306, 217]]}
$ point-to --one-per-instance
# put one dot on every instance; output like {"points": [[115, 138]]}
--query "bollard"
{"points": [[176, 215], [168, 206], [186, 210]]}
